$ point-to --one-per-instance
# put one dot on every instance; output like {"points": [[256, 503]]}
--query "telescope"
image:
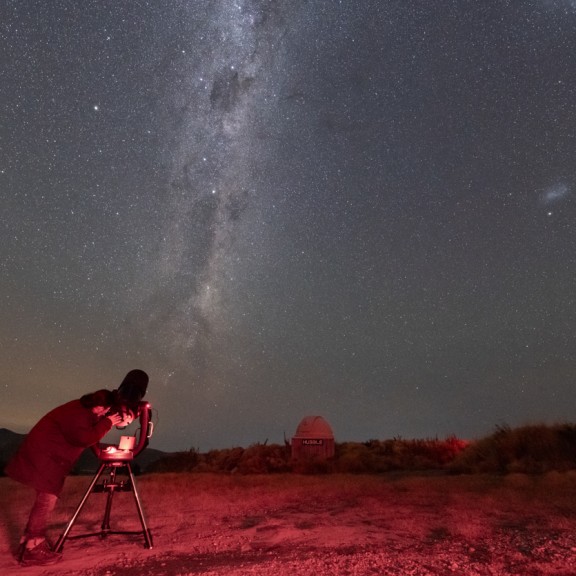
{"points": [[130, 446], [130, 405]]}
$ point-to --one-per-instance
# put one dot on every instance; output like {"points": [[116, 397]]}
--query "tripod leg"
{"points": [[145, 530], [111, 488], [64, 535]]}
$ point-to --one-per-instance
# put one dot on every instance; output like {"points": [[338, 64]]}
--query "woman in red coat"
{"points": [[46, 457]]}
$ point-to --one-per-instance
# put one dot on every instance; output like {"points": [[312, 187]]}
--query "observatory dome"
{"points": [[314, 427]]}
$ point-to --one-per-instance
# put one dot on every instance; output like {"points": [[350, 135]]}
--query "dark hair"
{"points": [[98, 398], [133, 387]]}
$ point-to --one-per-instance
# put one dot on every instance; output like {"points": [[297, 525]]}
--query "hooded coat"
{"points": [[50, 450]]}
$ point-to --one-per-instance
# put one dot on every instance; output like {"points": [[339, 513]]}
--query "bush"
{"points": [[372, 457], [529, 449], [176, 462]]}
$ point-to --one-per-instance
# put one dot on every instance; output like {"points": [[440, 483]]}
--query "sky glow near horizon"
{"points": [[277, 209]]}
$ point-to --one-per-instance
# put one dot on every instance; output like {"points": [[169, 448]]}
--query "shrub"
{"points": [[528, 449], [176, 462]]}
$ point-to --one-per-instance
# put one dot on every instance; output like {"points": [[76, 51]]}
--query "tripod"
{"points": [[113, 463]]}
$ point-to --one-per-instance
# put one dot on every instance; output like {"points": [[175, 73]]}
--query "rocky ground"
{"points": [[291, 525]]}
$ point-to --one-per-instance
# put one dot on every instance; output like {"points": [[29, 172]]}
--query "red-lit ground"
{"points": [[304, 526]]}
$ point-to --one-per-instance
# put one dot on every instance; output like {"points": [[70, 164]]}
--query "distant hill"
{"points": [[9, 442], [88, 463]]}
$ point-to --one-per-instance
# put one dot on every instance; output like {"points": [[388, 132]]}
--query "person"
{"points": [[48, 454]]}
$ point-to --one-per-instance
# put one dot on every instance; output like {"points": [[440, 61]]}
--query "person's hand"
{"points": [[127, 418], [115, 419]]}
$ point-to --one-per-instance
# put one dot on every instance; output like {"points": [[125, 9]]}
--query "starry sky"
{"points": [[361, 210]]}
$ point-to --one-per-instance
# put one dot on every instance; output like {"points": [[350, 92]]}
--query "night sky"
{"points": [[363, 210]]}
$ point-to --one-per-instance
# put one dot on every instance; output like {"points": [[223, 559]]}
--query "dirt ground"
{"points": [[304, 526]]}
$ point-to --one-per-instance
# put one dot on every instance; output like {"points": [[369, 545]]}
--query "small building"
{"points": [[313, 439]]}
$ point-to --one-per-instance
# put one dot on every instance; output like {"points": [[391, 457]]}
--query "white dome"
{"points": [[314, 427]]}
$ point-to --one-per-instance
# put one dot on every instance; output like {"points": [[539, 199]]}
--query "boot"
{"points": [[39, 555]]}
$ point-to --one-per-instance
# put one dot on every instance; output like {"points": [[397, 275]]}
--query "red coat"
{"points": [[52, 447]]}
